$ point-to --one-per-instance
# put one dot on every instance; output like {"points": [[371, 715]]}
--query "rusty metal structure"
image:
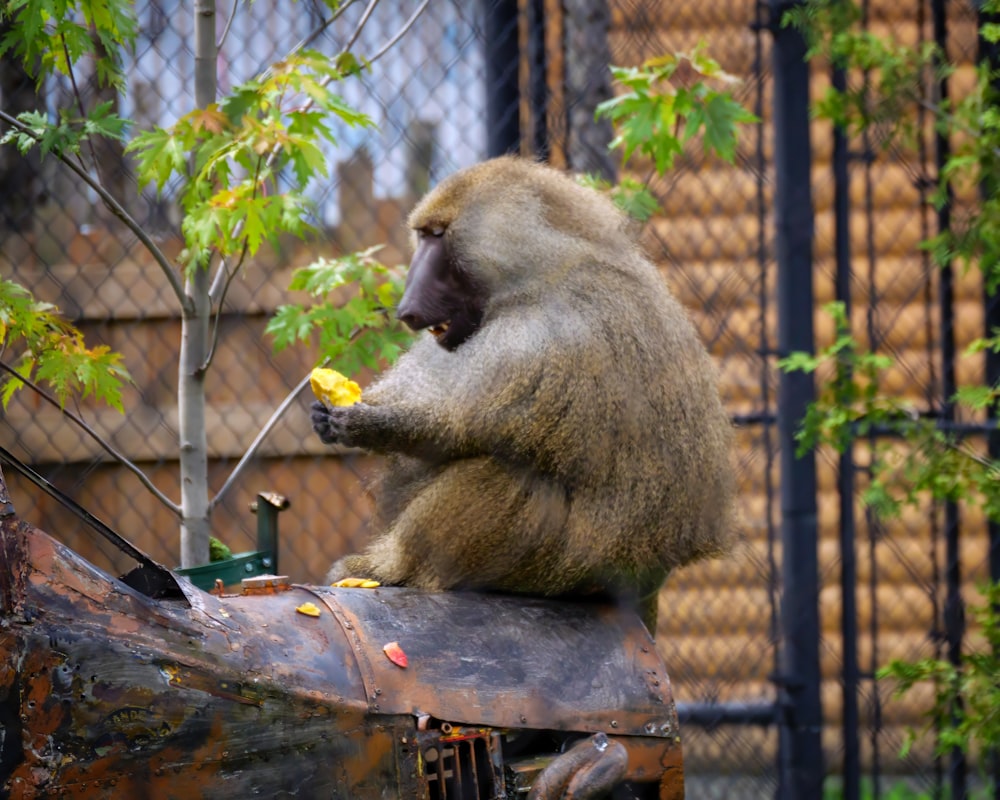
{"points": [[145, 686]]}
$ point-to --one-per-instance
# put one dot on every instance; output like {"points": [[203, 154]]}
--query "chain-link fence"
{"points": [[896, 589], [426, 96], [468, 80]]}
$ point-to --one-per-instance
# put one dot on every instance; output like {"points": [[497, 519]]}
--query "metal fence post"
{"points": [[503, 101], [845, 475], [801, 755], [954, 607], [989, 56], [538, 88]]}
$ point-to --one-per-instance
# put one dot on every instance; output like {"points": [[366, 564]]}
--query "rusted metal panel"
{"points": [[108, 692], [508, 662], [120, 695]]}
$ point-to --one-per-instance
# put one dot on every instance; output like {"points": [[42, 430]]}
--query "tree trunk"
{"points": [[195, 524], [191, 402]]}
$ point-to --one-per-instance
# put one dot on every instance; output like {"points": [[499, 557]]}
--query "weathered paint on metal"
{"points": [[106, 692], [121, 695], [505, 661]]}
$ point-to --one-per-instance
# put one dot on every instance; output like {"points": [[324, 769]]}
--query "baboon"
{"points": [[557, 429]]}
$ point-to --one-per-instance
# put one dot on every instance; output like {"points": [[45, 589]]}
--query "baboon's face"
{"points": [[440, 296]]}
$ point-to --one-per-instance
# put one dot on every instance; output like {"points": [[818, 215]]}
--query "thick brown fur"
{"points": [[575, 442]]}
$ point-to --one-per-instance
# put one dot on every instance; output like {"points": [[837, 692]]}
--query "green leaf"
{"points": [[255, 219], [976, 397], [307, 159], [102, 121], [159, 155], [990, 31], [289, 325], [635, 199], [218, 550], [800, 362], [349, 115], [348, 64], [722, 115], [53, 351]]}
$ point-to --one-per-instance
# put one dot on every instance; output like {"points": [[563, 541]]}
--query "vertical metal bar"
{"points": [[442, 784], [871, 521], [989, 56], [800, 747], [503, 118], [267, 506], [456, 769], [925, 185], [846, 478], [474, 764], [954, 611], [773, 576], [586, 27], [538, 86]]}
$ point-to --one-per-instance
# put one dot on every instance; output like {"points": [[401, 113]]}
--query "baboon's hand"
{"points": [[330, 423], [352, 566]]}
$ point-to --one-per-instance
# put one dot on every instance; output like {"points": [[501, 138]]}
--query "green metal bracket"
{"points": [[249, 564]]}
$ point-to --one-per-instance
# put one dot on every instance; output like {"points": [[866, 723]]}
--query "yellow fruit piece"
{"points": [[331, 387], [308, 609], [355, 583]]}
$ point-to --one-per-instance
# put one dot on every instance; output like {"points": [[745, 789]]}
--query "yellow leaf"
{"points": [[308, 609], [331, 387], [665, 60]]}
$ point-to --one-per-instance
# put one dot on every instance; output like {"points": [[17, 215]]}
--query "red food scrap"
{"points": [[396, 654]]}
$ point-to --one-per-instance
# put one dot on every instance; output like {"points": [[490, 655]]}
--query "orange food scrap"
{"points": [[331, 387], [355, 583], [308, 609], [396, 654]]}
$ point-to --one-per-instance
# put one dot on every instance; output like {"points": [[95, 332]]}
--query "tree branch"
{"points": [[361, 25], [224, 277], [399, 35], [229, 24], [117, 210], [948, 118], [104, 444], [312, 37], [83, 111], [223, 270], [279, 412]]}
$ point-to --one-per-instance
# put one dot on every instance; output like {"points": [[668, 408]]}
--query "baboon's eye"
{"points": [[437, 231]]}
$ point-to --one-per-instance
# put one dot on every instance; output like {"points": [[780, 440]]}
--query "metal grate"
{"points": [[461, 768]]}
